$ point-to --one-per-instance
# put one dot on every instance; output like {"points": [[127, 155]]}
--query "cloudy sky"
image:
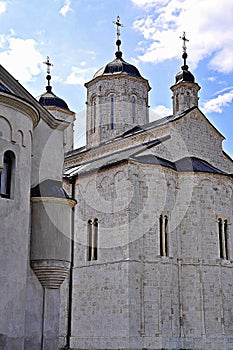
{"points": [[79, 37]]}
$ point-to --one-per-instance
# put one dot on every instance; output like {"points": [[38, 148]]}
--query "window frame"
{"points": [[163, 236], [223, 238], [134, 100], [7, 175], [112, 111], [92, 236]]}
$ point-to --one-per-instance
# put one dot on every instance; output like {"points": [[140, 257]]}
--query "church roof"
{"points": [[118, 66], [184, 75], [49, 188], [3, 88], [49, 99], [187, 164]]}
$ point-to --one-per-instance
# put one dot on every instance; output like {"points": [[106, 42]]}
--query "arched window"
{"points": [[223, 239], [163, 235], [112, 111], [177, 102], [94, 113], [6, 175], [133, 109], [92, 228]]}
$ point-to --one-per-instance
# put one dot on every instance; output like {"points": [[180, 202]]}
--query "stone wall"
{"points": [[131, 297], [16, 124], [122, 89]]}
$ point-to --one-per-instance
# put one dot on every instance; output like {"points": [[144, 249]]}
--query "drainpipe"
{"points": [[70, 292]]}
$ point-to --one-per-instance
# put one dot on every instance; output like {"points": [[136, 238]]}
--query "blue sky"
{"points": [[79, 37]]}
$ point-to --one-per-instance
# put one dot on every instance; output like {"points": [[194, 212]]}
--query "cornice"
{"points": [[113, 76], [19, 92], [67, 201], [19, 104]]}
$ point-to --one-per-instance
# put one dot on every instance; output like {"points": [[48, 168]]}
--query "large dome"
{"points": [[118, 66]]}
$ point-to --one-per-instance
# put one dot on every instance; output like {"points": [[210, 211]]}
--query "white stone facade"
{"points": [[138, 299], [159, 278], [35, 243], [144, 260], [115, 104]]}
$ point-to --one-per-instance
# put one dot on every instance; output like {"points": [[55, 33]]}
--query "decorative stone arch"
{"points": [[19, 138], [6, 128]]}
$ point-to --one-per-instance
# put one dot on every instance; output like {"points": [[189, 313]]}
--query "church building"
{"points": [[125, 243]]}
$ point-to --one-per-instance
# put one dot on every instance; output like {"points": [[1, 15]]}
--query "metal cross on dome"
{"points": [[118, 24], [49, 64], [184, 41]]}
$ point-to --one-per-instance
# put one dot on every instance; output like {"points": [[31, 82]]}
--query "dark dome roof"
{"points": [[118, 66], [49, 99], [185, 75], [49, 188]]}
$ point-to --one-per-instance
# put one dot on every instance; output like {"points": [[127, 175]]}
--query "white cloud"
{"points": [[149, 3], [20, 57], [159, 112], [208, 24], [216, 104], [211, 79], [65, 8], [79, 75], [219, 92], [3, 7]]}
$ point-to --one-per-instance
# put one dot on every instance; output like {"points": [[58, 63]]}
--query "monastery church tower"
{"points": [[122, 244], [117, 99]]}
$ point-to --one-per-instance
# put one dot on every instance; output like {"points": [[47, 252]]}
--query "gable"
{"points": [[192, 135]]}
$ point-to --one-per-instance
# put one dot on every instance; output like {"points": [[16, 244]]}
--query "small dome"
{"points": [[185, 76], [118, 66], [49, 99], [49, 188]]}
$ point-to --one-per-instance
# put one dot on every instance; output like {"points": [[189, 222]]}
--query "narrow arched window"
{"points": [[112, 112], [133, 109], [92, 228], [94, 114], [225, 230], [6, 175], [220, 233], [163, 235], [223, 239], [177, 103]]}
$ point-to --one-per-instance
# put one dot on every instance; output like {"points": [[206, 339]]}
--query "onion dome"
{"points": [[49, 99], [118, 65], [184, 75]]}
